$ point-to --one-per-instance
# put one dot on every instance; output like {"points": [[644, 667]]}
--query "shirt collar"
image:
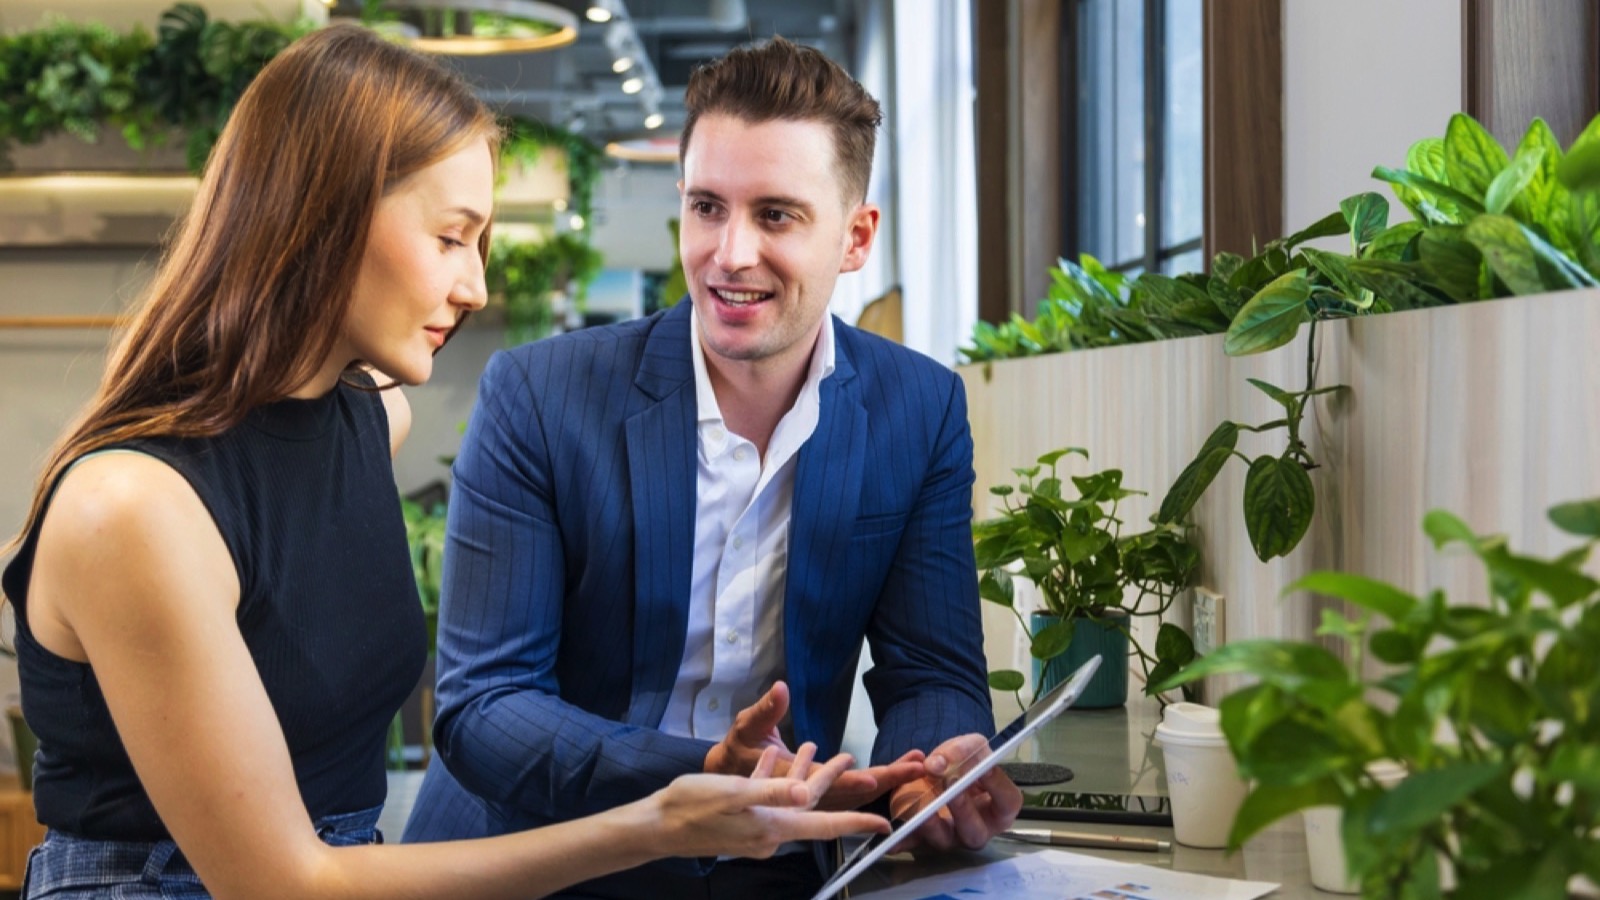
{"points": [[822, 360]]}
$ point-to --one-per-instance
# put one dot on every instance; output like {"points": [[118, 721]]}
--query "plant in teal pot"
{"points": [[1093, 580]]}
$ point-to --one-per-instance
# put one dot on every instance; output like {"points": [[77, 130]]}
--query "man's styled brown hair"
{"points": [[778, 79]]}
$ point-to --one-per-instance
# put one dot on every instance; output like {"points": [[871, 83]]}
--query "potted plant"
{"points": [[524, 276], [1086, 570], [1491, 709]]}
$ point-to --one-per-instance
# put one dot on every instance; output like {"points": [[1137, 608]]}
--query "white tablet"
{"points": [[969, 771]]}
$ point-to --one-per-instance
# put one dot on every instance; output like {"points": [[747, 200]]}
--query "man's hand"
{"points": [[755, 729], [977, 814]]}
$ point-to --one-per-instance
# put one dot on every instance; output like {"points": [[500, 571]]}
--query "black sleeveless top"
{"points": [[303, 494]]}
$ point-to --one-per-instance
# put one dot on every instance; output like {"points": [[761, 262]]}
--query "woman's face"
{"points": [[421, 272]]}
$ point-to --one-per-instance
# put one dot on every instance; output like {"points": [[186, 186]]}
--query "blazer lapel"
{"points": [[662, 448], [827, 493]]}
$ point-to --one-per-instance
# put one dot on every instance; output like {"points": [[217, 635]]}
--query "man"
{"points": [[659, 523]]}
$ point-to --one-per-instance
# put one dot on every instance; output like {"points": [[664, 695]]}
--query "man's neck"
{"points": [[754, 396]]}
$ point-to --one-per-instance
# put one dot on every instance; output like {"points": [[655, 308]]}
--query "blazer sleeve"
{"points": [[929, 680], [503, 730]]}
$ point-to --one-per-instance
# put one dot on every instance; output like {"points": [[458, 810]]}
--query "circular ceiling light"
{"points": [[633, 85], [483, 27]]}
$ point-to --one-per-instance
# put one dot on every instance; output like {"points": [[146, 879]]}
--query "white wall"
{"points": [[1363, 80]]}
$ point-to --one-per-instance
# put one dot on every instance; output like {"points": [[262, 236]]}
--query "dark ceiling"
{"points": [[575, 86]]}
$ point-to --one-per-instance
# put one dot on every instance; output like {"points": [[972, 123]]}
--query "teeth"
{"points": [[740, 297]]}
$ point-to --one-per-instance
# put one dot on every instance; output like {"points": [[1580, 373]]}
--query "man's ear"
{"points": [[860, 231]]}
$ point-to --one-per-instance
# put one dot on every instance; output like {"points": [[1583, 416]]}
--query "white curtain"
{"points": [[916, 58]]}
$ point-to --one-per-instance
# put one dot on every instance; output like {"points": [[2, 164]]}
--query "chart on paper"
{"points": [[1057, 875]]}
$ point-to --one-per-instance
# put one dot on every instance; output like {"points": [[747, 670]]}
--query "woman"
{"points": [[216, 621]]}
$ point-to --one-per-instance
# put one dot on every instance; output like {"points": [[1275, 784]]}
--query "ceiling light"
{"points": [[559, 204], [576, 222], [633, 85], [623, 64], [481, 27], [653, 120], [597, 13]]}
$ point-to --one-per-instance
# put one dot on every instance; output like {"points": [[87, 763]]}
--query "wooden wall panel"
{"points": [[1527, 58], [1243, 124], [1485, 409]]}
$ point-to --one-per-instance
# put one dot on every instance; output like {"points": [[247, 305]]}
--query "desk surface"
{"points": [[1111, 752]]}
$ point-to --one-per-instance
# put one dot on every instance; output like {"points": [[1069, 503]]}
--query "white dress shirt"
{"points": [[733, 649]]}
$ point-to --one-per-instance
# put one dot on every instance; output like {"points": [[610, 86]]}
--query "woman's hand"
{"points": [[725, 815]]}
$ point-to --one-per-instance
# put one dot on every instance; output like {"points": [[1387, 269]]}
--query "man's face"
{"points": [[766, 231]]}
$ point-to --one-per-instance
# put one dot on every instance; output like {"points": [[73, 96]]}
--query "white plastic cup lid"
{"points": [[1190, 724]]}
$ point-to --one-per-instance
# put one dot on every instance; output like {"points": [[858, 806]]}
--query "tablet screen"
{"points": [[963, 774]]}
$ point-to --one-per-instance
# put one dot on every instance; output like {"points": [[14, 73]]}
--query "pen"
{"points": [[1088, 841]]}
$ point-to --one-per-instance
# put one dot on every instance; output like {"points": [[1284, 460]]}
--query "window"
{"points": [[1133, 133]]}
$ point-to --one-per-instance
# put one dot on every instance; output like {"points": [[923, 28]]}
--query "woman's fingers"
{"points": [[801, 765], [767, 764]]}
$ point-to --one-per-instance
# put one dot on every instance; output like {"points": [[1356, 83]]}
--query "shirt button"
{"points": [[732, 636], [738, 542], [712, 704], [716, 434], [739, 454]]}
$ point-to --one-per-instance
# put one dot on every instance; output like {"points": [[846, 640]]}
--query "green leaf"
{"points": [[1278, 504], [1393, 242], [1439, 191], [1453, 263], [1368, 593], [1284, 663], [1510, 183], [1334, 267], [1562, 585], [1472, 157], [1368, 214], [1506, 247], [996, 587], [1545, 202], [1423, 797], [1396, 647], [1577, 763], [1445, 527], [1266, 804], [1174, 645], [1288, 400], [1580, 171], [1392, 282], [1581, 517], [1198, 474], [1331, 225], [1008, 680], [1051, 458], [1053, 639], [1272, 317], [1557, 270]]}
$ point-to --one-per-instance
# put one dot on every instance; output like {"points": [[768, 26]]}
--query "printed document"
{"points": [[1058, 875]]}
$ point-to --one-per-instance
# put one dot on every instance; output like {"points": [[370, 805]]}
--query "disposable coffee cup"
{"points": [[1202, 780], [1325, 835]]}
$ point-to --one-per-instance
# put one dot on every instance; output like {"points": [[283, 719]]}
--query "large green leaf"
{"points": [[1393, 242], [1368, 593], [1367, 214], [1513, 180], [1330, 225], [1392, 283], [1335, 268], [1545, 202], [1506, 247], [1052, 640], [1438, 191], [1472, 157], [1423, 797], [1269, 803], [1580, 171], [1278, 504], [1557, 270], [1580, 517], [1284, 663], [1006, 680], [996, 587], [1198, 474], [1272, 317], [1454, 264]]}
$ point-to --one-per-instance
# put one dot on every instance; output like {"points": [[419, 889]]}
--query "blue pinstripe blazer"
{"points": [[569, 554]]}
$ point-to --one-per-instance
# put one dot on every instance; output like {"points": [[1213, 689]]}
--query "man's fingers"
{"points": [[757, 722], [800, 766]]}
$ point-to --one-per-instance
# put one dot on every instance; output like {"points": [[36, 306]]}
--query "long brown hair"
{"points": [[252, 293], [779, 79]]}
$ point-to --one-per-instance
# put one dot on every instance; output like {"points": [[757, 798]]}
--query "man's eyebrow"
{"points": [[769, 200]]}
